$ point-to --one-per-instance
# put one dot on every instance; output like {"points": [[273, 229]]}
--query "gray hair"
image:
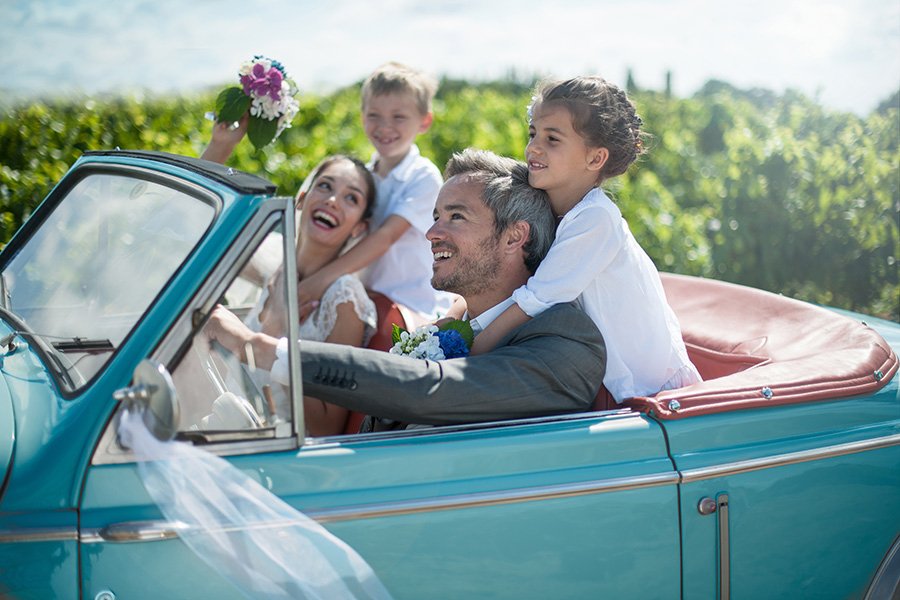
{"points": [[509, 197]]}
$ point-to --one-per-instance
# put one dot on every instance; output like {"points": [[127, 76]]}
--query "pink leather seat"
{"points": [[388, 313]]}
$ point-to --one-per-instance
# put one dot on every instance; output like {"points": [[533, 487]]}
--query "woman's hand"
{"points": [[224, 139]]}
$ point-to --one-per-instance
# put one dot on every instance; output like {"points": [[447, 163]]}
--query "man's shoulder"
{"points": [[566, 319]]}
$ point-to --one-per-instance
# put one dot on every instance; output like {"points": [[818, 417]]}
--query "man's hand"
{"points": [[224, 327]]}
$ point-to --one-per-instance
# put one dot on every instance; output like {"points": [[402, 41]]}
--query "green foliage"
{"points": [[747, 186], [231, 104]]}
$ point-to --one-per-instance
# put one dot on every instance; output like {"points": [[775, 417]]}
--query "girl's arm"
{"points": [[369, 249], [323, 418], [584, 246], [508, 320]]}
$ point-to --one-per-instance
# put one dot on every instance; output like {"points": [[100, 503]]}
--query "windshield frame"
{"points": [[49, 355]]}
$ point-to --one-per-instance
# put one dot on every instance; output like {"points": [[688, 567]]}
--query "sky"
{"points": [[845, 53]]}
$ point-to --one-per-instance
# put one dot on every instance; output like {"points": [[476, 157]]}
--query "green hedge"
{"points": [[772, 191]]}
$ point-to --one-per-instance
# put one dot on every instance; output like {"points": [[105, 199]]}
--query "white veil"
{"points": [[250, 536]]}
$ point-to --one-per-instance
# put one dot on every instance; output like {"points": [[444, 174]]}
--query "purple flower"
{"points": [[263, 83], [452, 343]]}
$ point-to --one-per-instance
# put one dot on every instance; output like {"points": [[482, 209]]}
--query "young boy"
{"points": [[396, 107]]}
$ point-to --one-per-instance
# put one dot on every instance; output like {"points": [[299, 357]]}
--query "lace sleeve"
{"points": [[347, 288]]}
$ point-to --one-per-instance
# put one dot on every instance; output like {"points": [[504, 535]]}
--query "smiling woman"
{"points": [[335, 203], [334, 207]]}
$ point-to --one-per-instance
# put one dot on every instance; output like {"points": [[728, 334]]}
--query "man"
{"points": [[491, 230]]}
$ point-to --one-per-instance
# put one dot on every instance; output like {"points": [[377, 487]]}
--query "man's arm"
{"points": [[554, 364]]}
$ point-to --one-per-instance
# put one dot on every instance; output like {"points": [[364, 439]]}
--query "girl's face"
{"points": [[559, 161], [334, 205]]}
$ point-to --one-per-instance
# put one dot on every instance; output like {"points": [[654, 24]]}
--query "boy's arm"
{"points": [[456, 311], [508, 320], [369, 249]]}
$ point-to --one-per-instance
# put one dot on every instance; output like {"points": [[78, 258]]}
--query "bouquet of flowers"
{"points": [[267, 92], [451, 340]]}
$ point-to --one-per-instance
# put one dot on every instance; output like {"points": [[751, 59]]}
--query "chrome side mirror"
{"points": [[153, 392]]}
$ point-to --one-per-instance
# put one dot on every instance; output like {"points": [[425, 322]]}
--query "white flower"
{"points": [[421, 343]]}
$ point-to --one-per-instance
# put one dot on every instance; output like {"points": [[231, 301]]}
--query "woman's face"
{"points": [[334, 205]]}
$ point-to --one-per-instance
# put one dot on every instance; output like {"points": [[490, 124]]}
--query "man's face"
{"points": [[466, 251]]}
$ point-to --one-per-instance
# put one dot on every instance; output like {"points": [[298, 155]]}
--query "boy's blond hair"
{"points": [[396, 78]]}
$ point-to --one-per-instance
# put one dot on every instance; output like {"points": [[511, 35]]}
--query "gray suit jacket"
{"points": [[553, 364]]}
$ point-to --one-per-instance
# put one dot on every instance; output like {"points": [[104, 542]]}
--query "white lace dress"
{"points": [[318, 325]]}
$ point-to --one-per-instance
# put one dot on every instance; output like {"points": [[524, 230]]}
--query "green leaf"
{"points": [[464, 329], [396, 330], [231, 104], [261, 132]]}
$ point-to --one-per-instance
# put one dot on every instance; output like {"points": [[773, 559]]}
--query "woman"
{"points": [[335, 202]]}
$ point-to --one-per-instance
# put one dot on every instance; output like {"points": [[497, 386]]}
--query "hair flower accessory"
{"points": [[267, 93], [451, 340]]}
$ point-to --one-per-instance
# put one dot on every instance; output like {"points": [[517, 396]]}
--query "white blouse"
{"points": [[596, 261]]}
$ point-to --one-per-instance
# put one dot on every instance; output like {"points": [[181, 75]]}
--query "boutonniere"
{"points": [[453, 339], [267, 93]]}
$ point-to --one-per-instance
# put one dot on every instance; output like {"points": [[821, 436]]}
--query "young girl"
{"points": [[582, 132]]}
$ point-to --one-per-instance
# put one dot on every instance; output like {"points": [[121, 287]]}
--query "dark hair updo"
{"points": [[602, 114]]}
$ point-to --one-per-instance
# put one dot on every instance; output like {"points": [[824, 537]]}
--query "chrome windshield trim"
{"points": [[53, 534], [790, 458], [147, 531]]}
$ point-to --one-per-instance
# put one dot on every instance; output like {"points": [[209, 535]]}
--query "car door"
{"points": [[561, 507], [789, 501]]}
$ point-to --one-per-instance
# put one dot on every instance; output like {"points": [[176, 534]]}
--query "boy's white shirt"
{"points": [[596, 261], [404, 272]]}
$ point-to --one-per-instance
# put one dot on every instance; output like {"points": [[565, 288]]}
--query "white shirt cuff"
{"points": [[281, 367], [528, 302]]}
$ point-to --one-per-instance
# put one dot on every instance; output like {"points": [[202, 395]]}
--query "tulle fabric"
{"points": [[266, 548]]}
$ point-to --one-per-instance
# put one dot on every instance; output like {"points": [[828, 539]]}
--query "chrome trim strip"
{"points": [[549, 492], [143, 531], [791, 458], [57, 534]]}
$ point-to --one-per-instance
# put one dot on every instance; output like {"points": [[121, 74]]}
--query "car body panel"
{"points": [[513, 509]]}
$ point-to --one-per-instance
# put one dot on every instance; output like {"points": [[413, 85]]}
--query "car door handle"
{"points": [[141, 531], [719, 506]]}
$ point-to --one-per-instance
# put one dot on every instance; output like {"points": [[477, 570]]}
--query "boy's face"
{"points": [[392, 122]]}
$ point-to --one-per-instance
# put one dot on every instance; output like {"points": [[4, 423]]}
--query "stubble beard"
{"points": [[474, 274]]}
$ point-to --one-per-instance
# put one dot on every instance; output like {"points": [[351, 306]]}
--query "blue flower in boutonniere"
{"points": [[267, 93], [451, 340]]}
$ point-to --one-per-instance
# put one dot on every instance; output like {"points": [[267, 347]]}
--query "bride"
{"points": [[335, 201]]}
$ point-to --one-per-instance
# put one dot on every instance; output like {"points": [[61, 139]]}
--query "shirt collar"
{"points": [[481, 322], [404, 169]]}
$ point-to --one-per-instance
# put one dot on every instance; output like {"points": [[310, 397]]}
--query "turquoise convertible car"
{"points": [[777, 477]]}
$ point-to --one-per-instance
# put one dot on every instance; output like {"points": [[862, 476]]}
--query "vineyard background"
{"points": [[749, 186]]}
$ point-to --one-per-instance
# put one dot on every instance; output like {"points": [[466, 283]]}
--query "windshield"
{"points": [[82, 281]]}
